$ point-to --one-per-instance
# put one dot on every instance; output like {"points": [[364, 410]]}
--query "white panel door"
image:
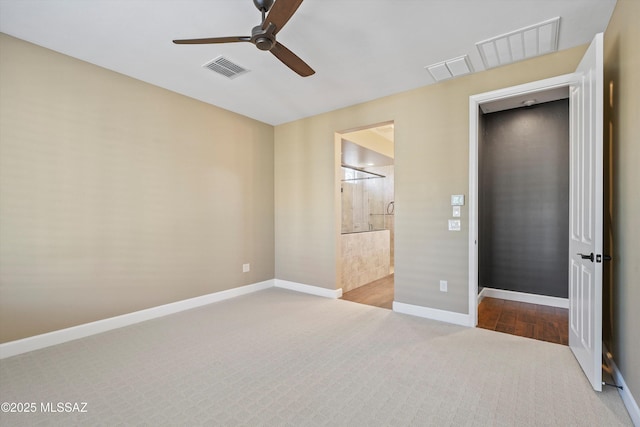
{"points": [[585, 214]]}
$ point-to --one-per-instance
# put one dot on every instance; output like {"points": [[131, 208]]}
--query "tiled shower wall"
{"points": [[367, 204], [365, 258]]}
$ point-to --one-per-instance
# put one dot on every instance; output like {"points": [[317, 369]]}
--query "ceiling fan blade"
{"points": [[291, 60], [280, 13], [214, 40]]}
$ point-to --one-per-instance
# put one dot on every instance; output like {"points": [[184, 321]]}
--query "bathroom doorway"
{"points": [[367, 214]]}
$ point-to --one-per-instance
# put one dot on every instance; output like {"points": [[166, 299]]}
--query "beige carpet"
{"points": [[282, 358]]}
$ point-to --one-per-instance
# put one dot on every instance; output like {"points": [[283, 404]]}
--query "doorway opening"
{"points": [[519, 211], [367, 209], [523, 219]]}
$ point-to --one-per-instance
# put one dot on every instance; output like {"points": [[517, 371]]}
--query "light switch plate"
{"points": [[456, 212], [454, 225], [457, 200]]}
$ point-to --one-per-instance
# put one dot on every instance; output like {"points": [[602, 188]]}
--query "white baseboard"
{"points": [[308, 289], [432, 313], [523, 297], [629, 402], [36, 342]]}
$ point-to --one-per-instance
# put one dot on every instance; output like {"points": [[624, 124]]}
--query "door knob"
{"points": [[589, 257]]}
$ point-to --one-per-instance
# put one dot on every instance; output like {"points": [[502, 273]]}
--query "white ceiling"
{"points": [[360, 49]]}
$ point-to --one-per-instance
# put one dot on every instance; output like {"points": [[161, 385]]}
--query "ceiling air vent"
{"points": [[527, 42], [450, 68], [227, 68]]}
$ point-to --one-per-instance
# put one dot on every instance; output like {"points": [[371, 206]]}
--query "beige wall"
{"points": [[431, 163], [622, 130], [116, 195]]}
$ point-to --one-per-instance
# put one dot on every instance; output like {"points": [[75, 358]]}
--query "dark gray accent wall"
{"points": [[524, 199]]}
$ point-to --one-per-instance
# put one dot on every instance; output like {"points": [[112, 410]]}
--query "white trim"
{"points": [[524, 297], [474, 112], [308, 289], [432, 313], [37, 342], [474, 105], [526, 88], [627, 398]]}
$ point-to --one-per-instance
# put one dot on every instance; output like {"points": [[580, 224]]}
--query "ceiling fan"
{"points": [[264, 35]]}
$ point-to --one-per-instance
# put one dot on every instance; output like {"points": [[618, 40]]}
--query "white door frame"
{"points": [[475, 101]]}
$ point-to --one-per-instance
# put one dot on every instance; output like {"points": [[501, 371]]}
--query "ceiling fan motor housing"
{"points": [[263, 39]]}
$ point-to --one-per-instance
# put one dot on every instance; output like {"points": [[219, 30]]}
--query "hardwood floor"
{"points": [[378, 293], [539, 322]]}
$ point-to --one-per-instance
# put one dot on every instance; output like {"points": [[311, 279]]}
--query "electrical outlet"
{"points": [[443, 286], [246, 268]]}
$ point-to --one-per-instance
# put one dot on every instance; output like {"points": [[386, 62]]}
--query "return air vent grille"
{"points": [[227, 68], [534, 40]]}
